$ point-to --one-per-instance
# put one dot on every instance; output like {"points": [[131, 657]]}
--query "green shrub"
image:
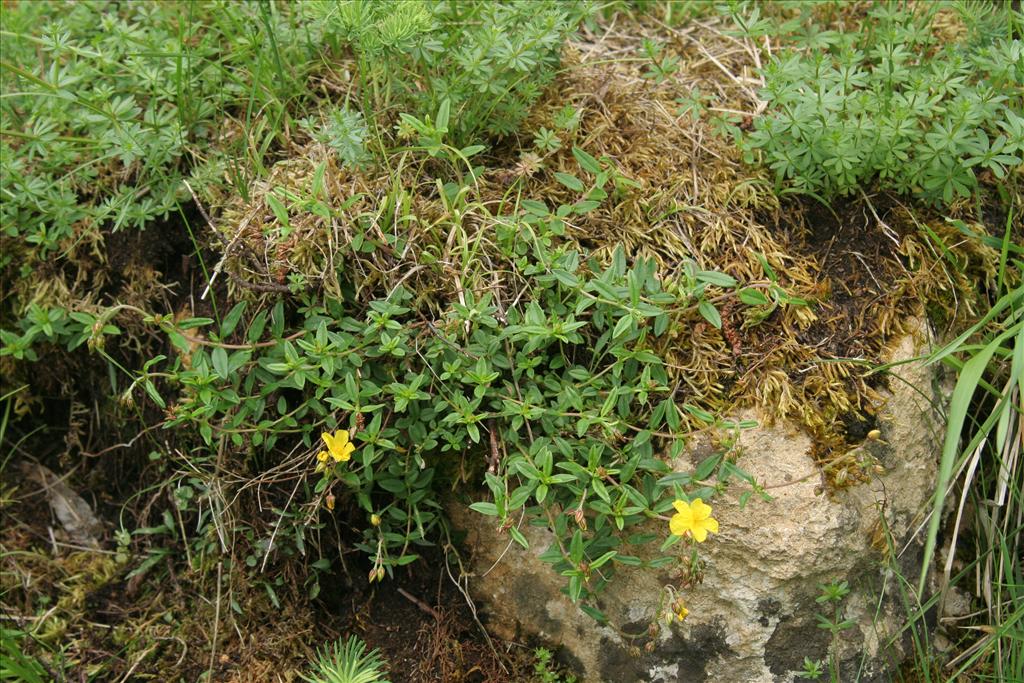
{"points": [[890, 104], [428, 393], [491, 60], [560, 400], [104, 104]]}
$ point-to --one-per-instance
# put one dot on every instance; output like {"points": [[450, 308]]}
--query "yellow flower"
{"points": [[321, 461], [679, 610], [693, 518], [339, 447], [375, 519]]}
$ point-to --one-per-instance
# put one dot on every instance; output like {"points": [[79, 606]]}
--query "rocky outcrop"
{"points": [[753, 616]]}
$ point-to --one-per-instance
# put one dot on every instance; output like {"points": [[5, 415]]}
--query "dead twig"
{"points": [[419, 603]]}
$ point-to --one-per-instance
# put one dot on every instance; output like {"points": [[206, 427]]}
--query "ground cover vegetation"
{"points": [[282, 281]]}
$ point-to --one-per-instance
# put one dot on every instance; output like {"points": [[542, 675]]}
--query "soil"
{"points": [[857, 260], [424, 626], [419, 620]]}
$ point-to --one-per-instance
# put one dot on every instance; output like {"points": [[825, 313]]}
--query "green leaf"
{"points": [[586, 162], [575, 588], [669, 542], [230, 321], [970, 376], [576, 547], [624, 325], [191, 323], [585, 206], [566, 278], [604, 289], [660, 325], [219, 357], [710, 313], [518, 537], [443, 112], [570, 181], [707, 466], [519, 497], [318, 179], [489, 509], [681, 478], [715, 278], [280, 212], [752, 297], [594, 613], [154, 394], [179, 342], [603, 559], [541, 493]]}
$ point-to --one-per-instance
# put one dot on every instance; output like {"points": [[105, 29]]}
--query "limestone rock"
{"points": [[752, 619]]}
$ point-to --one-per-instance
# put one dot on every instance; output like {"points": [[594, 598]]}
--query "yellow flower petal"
{"points": [[700, 534], [682, 521], [711, 524], [700, 509], [680, 524], [322, 456]]}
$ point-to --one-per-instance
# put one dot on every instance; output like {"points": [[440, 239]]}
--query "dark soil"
{"points": [[859, 263], [423, 625], [165, 246]]}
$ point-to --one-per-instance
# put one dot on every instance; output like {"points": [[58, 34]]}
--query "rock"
{"points": [[753, 618], [71, 510]]}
